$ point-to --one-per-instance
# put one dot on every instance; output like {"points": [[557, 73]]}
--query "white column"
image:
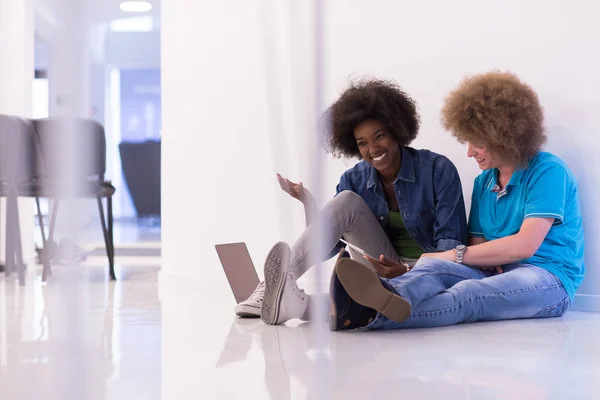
{"points": [[16, 82], [68, 79], [69, 82], [235, 110], [69, 61]]}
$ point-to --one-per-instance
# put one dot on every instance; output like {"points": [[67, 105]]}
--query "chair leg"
{"points": [[19, 250], [107, 241], [16, 253], [41, 220], [4, 267], [53, 219], [47, 270], [45, 254], [9, 239], [111, 238]]}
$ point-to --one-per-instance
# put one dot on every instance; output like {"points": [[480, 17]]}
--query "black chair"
{"points": [[75, 149], [141, 167]]}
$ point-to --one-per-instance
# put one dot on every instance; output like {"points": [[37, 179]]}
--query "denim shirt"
{"points": [[429, 194]]}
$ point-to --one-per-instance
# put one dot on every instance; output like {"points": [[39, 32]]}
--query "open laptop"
{"points": [[239, 269]]}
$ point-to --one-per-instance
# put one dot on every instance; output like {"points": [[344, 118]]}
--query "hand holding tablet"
{"points": [[384, 267]]}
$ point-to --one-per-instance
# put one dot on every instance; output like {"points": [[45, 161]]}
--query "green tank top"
{"points": [[403, 242]]}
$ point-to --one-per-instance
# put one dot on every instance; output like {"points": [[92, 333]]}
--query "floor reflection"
{"points": [[535, 359], [80, 336]]}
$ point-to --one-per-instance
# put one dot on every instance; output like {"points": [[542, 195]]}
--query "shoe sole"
{"points": [[276, 268], [364, 287], [333, 323], [247, 311], [243, 314]]}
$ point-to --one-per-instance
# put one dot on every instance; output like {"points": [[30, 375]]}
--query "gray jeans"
{"points": [[347, 216]]}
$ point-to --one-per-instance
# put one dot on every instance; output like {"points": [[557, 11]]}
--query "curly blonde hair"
{"points": [[499, 111]]}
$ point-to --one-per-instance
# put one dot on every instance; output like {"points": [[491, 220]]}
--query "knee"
{"points": [[470, 296], [348, 200]]}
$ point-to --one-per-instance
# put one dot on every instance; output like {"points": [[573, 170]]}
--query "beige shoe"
{"points": [[365, 288]]}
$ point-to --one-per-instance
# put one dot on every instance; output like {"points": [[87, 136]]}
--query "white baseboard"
{"points": [[586, 302], [182, 285]]}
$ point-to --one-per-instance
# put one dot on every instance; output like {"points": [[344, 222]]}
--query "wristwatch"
{"points": [[460, 252]]}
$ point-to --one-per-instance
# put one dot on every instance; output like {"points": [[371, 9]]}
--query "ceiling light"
{"points": [[136, 6]]}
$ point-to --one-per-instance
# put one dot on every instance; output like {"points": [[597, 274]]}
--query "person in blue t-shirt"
{"points": [[525, 257]]}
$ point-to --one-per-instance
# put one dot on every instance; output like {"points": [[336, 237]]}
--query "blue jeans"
{"points": [[446, 293]]}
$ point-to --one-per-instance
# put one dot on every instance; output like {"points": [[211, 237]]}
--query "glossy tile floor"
{"points": [[551, 359], [82, 337]]}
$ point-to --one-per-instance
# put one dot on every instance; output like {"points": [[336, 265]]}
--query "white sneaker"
{"points": [[250, 308], [283, 300]]}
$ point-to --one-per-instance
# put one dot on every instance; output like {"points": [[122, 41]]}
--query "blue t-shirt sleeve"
{"points": [[547, 195], [474, 223]]}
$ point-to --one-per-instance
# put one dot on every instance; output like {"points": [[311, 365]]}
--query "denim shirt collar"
{"points": [[407, 170]]}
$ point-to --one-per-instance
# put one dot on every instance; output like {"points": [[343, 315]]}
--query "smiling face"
{"points": [[378, 147], [485, 159]]}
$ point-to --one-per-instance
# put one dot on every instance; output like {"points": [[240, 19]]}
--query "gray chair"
{"points": [[18, 168], [80, 144]]}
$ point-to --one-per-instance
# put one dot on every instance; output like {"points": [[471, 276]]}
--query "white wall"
{"points": [[222, 144], [219, 163]]}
